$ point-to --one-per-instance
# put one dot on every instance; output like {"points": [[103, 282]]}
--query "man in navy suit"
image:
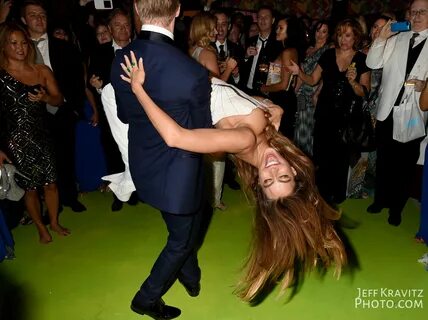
{"points": [[169, 179]]}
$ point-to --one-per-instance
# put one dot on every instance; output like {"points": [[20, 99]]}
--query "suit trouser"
{"points": [[395, 167], [178, 259], [63, 125]]}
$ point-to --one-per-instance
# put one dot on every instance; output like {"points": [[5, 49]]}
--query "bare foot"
{"points": [[60, 230], [419, 240], [45, 237]]}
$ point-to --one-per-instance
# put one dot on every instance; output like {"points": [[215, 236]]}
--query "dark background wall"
{"points": [[311, 8]]}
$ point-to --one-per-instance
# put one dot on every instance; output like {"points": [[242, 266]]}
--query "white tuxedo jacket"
{"points": [[391, 55]]}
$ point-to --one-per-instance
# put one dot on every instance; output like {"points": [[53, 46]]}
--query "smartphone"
{"points": [[34, 89], [103, 4], [400, 26]]}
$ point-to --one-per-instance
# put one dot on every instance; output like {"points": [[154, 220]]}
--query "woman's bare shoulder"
{"points": [[43, 69], [208, 52]]}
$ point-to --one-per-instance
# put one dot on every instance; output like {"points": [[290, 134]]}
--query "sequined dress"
{"points": [[24, 134]]}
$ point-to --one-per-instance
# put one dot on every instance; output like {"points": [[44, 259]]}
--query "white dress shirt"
{"points": [[255, 59], [151, 27]]}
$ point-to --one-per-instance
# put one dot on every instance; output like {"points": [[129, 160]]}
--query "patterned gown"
{"points": [[303, 133], [24, 134]]}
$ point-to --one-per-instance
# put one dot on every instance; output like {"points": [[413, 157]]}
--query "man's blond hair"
{"points": [[159, 12]]}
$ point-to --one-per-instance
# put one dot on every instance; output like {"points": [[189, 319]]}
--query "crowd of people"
{"points": [[142, 91]]}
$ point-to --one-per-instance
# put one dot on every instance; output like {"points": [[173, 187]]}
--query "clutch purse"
{"points": [[8, 187]]}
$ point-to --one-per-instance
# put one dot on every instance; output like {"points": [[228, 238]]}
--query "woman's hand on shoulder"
{"points": [[134, 72]]}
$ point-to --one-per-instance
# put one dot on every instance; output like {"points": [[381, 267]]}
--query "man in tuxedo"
{"points": [[119, 24], [168, 179], [261, 49], [226, 48], [64, 60], [396, 161]]}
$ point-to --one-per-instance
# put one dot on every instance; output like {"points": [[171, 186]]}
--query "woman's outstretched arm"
{"points": [[311, 79], [195, 140]]}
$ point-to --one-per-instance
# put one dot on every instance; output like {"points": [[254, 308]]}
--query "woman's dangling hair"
{"points": [[291, 234]]}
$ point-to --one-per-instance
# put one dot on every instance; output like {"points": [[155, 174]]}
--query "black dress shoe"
{"points": [[375, 208], [394, 219], [158, 311], [192, 290], [233, 184], [116, 205], [133, 200], [76, 206]]}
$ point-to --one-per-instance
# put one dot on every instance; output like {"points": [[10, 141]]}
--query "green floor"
{"points": [[94, 273]]}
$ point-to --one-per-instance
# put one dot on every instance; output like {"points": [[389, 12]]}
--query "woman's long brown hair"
{"points": [[291, 232]]}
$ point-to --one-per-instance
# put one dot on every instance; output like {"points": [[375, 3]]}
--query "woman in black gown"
{"points": [[25, 88], [280, 86], [346, 78]]}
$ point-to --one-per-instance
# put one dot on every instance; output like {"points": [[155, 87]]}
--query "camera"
{"points": [[103, 4], [400, 26]]}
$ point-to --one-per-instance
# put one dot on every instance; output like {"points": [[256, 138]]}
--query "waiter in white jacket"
{"points": [[404, 59]]}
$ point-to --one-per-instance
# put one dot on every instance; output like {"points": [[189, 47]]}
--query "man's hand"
{"points": [[96, 82], [386, 32], [83, 3], [419, 84], [5, 6]]}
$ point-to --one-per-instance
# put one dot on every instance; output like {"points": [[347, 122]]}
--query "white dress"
{"points": [[120, 183], [227, 100]]}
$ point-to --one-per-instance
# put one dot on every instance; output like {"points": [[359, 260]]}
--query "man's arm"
{"points": [[382, 48]]}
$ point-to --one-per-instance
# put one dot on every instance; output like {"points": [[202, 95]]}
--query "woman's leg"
{"points": [[32, 203], [52, 203], [218, 174]]}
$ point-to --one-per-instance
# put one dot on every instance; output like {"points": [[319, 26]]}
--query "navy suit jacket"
{"points": [[169, 179]]}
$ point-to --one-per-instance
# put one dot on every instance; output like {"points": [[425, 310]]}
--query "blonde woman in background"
{"points": [[202, 33]]}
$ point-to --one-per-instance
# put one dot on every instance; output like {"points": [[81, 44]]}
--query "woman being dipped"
{"points": [[346, 79], [293, 224], [25, 88]]}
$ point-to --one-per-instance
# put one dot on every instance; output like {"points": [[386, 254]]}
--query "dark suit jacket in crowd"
{"points": [[100, 62], [272, 50], [67, 67], [235, 51], [167, 178]]}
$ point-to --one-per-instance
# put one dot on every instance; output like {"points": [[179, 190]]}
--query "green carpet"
{"points": [[94, 273]]}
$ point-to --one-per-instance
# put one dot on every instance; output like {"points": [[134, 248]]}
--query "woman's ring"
{"points": [[133, 64], [127, 68]]}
